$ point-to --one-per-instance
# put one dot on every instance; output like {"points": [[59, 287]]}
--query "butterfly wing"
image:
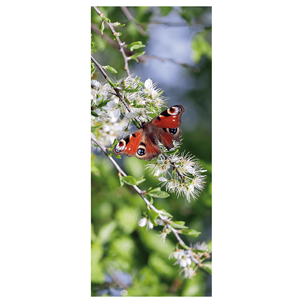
{"points": [[137, 144], [167, 125]]}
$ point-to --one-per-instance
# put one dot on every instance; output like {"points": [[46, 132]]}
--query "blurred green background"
{"points": [[178, 59]]}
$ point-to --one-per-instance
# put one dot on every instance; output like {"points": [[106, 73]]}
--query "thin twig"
{"points": [[157, 22], [115, 88], [175, 168], [131, 18], [118, 40], [141, 193], [142, 58]]}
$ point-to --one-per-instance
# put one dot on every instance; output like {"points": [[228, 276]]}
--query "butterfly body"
{"points": [[144, 143]]}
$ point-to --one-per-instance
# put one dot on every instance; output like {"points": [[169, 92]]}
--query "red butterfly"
{"points": [[143, 143]]}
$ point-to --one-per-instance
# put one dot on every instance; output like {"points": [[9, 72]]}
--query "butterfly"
{"points": [[143, 143]]}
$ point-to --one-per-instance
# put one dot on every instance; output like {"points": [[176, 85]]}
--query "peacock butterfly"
{"points": [[143, 143]]}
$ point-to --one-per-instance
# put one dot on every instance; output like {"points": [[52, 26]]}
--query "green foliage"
{"points": [[118, 240], [201, 46], [109, 68], [191, 232], [130, 180], [165, 10], [152, 216], [135, 45], [135, 56], [157, 193]]}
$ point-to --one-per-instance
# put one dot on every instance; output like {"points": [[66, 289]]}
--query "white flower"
{"points": [[188, 272], [149, 88], [171, 185], [178, 254], [202, 246], [112, 107], [184, 261], [145, 221], [182, 256], [131, 115], [95, 84], [160, 221], [160, 167], [163, 235]]}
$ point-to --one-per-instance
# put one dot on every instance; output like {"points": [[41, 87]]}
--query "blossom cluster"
{"points": [[180, 174], [184, 259], [110, 118]]}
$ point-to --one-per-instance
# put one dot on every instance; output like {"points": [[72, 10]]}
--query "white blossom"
{"points": [[150, 88], [160, 221], [202, 246], [188, 272], [183, 257], [145, 221]]}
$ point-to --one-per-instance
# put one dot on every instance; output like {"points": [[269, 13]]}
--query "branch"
{"points": [[142, 58], [118, 40], [115, 88], [175, 168], [131, 18], [156, 22], [141, 193]]}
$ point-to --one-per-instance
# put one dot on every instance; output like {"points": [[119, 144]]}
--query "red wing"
{"points": [[170, 118], [137, 144], [166, 139], [149, 150], [129, 145]]}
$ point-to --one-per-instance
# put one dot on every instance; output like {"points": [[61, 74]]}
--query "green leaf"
{"points": [[165, 10], [165, 213], [102, 103], [117, 24], [135, 56], [121, 180], [135, 45], [93, 46], [93, 128], [110, 69], [102, 27], [140, 180], [157, 193], [151, 201], [207, 266], [179, 226], [131, 90], [201, 46], [180, 222], [191, 232], [92, 68], [129, 180], [152, 216], [93, 114]]}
